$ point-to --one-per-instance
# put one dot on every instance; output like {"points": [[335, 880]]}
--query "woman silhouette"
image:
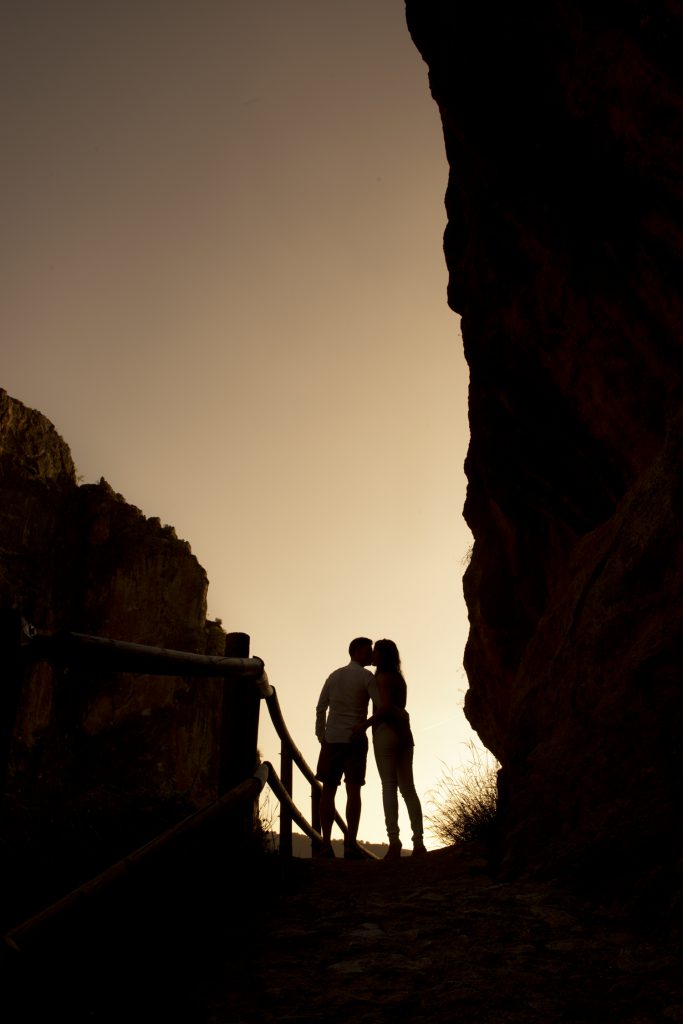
{"points": [[393, 744]]}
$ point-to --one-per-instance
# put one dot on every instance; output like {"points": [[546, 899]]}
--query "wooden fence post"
{"points": [[239, 734], [285, 813], [239, 725], [12, 676], [315, 808]]}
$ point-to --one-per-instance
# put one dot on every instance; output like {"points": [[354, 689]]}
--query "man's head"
{"points": [[360, 650]]}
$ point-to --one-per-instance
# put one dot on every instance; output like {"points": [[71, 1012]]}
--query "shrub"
{"points": [[465, 805]]}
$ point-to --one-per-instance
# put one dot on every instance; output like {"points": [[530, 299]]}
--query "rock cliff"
{"points": [[81, 558], [562, 127]]}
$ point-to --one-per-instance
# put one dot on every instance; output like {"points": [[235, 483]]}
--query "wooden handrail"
{"points": [[21, 644], [119, 655], [281, 729], [122, 656], [26, 933], [284, 797]]}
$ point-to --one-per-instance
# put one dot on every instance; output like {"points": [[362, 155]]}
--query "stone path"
{"points": [[435, 940]]}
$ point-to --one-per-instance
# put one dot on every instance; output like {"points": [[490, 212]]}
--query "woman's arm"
{"points": [[384, 708]]}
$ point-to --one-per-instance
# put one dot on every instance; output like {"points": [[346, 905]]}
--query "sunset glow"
{"points": [[223, 281]]}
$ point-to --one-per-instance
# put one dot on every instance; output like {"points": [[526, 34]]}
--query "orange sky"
{"points": [[222, 280]]}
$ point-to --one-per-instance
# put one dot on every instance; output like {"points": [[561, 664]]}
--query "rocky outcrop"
{"points": [[37, 481], [30, 447], [82, 559], [562, 125]]}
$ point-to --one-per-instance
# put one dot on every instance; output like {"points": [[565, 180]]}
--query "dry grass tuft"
{"points": [[465, 805]]}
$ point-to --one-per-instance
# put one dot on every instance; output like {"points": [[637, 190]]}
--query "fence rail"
{"points": [[291, 753], [239, 784], [29, 932], [121, 656]]}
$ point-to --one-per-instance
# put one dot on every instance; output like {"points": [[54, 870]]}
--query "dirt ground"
{"points": [[437, 939], [433, 939]]}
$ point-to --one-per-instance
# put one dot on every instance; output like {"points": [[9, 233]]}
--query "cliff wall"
{"points": [[562, 127], [81, 558]]}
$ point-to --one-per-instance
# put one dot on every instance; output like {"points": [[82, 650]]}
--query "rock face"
{"points": [[82, 559], [562, 125]]}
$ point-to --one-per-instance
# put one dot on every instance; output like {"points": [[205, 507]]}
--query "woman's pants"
{"points": [[395, 766]]}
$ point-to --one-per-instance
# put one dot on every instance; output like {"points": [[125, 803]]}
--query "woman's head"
{"points": [[386, 657]]}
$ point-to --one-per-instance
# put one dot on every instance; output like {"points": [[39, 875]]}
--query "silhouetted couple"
{"points": [[341, 725]]}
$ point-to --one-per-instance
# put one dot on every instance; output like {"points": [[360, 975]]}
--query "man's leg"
{"points": [[352, 812], [327, 811]]}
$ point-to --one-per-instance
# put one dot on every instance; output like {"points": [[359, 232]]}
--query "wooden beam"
{"points": [[121, 656], [47, 922], [285, 811]]}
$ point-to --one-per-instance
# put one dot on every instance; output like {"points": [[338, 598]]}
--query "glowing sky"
{"points": [[223, 281]]}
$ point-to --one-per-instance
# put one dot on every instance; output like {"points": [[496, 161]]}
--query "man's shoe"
{"points": [[324, 852], [419, 849], [393, 853], [353, 853]]}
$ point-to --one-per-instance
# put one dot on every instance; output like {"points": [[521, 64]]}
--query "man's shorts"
{"points": [[347, 759]]}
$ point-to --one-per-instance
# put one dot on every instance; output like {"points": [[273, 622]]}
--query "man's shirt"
{"points": [[345, 694]]}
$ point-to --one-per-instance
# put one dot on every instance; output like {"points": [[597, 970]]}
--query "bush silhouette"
{"points": [[465, 805]]}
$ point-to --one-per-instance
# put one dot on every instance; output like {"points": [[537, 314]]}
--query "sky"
{"points": [[222, 279]]}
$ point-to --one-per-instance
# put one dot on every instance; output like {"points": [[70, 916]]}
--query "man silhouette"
{"points": [[341, 707]]}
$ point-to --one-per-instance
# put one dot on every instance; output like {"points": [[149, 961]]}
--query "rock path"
{"points": [[434, 939], [437, 939]]}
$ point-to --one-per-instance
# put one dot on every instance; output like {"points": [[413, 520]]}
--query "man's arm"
{"points": [[321, 712], [385, 710]]}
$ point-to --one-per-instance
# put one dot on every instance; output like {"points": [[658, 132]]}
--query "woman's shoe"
{"points": [[393, 853], [419, 849]]}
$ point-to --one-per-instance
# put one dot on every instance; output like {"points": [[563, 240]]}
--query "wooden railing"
{"points": [[21, 645], [42, 925], [290, 754], [240, 783]]}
